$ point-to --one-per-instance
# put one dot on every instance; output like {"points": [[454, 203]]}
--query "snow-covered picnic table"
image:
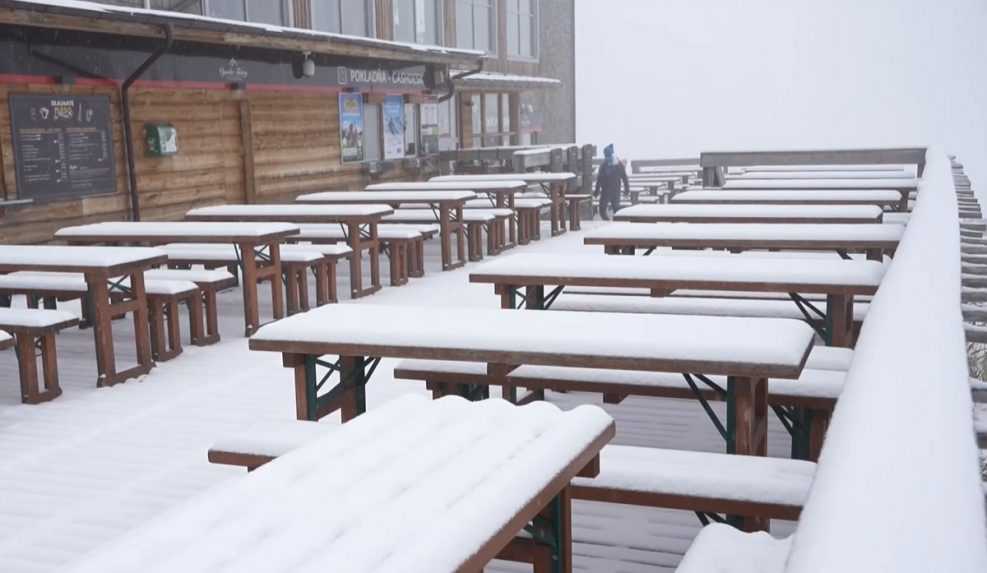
{"points": [[873, 239], [829, 214], [828, 173], [257, 245], [359, 222], [415, 486], [840, 281], [447, 204], [103, 268], [555, 186], [881, 198], [748, 351], [500, 194], [902, 186]]}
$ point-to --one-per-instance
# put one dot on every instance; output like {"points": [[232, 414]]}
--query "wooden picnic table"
{"points": [[448, 206], [500, 193], [556, 185], [839, 281], [358, 222], [108, 271], [821, 174], [416, 485], [881, 198], [903, 186], [874, 240], [257, 246], [696, 213], [747, 351]]}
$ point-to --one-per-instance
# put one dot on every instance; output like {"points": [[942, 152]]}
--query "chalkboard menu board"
{"points": [[63, 145]]}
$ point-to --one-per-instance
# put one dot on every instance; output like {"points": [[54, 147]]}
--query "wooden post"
{"points": [[247, 142], [839, 318]]}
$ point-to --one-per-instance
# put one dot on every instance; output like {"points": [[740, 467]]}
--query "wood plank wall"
{"points": [[283, 145]]}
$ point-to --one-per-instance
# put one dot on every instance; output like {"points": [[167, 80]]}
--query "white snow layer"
{"points": [[367, 496], [344, 197], [449, 185], [57, 255], [290, 210], [892, 183], [532, 177], [863, 212], [788, 196], [898, 485], [720, 548], [751, 232], [173, 229]]}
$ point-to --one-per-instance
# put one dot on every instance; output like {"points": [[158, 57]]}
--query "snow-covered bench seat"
{"points": [[296, 262], [403, 244], [164, 295], [34, 329], [575, 203], [431, 486], [804, 405], [476, 221], [210, 282], [980, 426]]}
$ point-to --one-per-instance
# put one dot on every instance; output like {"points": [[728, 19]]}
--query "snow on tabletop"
{"points": [[259, 27], [289, 210], [272, 438], [899, 445], [194, 275], [416, 215], [897, 218], [822, 184], [788, 196], [332, 250], [37, 318], [867, 212], [641, 337], [835, 174], [531, 177], [713, 306], [750, 231], [834, 167], [333, 197], [95, 257], [5, 336], [413, 486], [173, 228], [77, 282], [704, 474], [720, 548], [695, 268], [475, 186]]}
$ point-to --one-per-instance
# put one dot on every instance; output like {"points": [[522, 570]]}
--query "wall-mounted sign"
{"points": [[392, 114], [351, 127], [411, 77], [161, 138], [63, 145]]}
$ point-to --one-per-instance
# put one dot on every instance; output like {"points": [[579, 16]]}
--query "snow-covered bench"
{"points": [[210, 282], [403, 244], [296, 262], [804, 406], [720, 547], [34, 329], [475, 220], [163, 298]]}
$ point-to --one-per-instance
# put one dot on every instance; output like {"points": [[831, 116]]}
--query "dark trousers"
{"points": [[609, 204]]}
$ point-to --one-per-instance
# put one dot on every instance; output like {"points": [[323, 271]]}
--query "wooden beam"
{"points": [[247, 142]]}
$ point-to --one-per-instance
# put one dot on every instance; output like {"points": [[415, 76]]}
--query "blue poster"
{"points": [[351, 126], [393, 120]]}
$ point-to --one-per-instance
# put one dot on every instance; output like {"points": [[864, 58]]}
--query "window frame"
{"points": [[535, 32], [494, 8], [439, 32]]}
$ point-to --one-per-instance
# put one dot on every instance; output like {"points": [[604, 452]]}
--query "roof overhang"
{"points": [[489, 81], [106, 19]]}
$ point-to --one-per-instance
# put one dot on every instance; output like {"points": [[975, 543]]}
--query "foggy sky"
{"points": [[675, 77]]}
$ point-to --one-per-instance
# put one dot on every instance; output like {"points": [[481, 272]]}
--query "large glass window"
{"points": [[491, 120], [371, 132], [187, 6], [410, 129], [476, 25], [267, 12], [476, 119], [522, 28], [350, 17], [229, 9], [416, 21]]}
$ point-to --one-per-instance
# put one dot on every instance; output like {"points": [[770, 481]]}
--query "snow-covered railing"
{"points": [[898, 485]]}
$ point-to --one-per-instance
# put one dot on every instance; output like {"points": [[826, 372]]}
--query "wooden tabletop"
{"points": [[54, 258], [291, 213], [686, 213], [336, 199], [771, 236], [530, 178], [709, 345], [153, 233], [475, 186], [414, 485], [736, 273]]}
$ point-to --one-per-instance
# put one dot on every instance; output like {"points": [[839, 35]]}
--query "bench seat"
{"points": [[255, 446], [34, 329], [475, 220], [210, 282], [403, 244], [980, 426], [725, 549]]}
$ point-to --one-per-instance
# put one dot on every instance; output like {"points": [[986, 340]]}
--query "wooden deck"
{"points": [[95, 463]]}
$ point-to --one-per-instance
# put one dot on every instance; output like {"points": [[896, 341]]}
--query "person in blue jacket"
{"points": [[608, 181]]}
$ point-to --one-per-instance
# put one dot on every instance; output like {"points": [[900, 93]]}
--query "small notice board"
{"points": [[63, 145]]}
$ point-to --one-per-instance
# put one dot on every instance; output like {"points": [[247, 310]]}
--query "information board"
{"points": [[63, 145]]}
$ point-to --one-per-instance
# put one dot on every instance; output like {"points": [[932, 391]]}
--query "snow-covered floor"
{"points": [[94, 464]]}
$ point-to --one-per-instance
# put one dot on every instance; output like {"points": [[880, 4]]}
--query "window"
{"points": [[447, 125], [416, 21], [352, 17], [505, 118], [371, 132], [522, 28], [476, 25], [476, 119], [267, 12], [491, 121], [229, 9], [264, 11], [410, 129], [187, 6]]}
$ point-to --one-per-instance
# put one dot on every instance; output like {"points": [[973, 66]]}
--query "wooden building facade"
{"points": [[241, 112]]}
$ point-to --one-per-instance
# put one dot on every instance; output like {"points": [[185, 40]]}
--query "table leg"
{"points": [[277, 290], [508, 296], [142, 332], [460, 237], [356, 261], [875, 255], [747, 416], [534, 297], [512, 220], [556, 197], [839, 320], [374, 252], [251, 314], [445, 237], [99, 298]]}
